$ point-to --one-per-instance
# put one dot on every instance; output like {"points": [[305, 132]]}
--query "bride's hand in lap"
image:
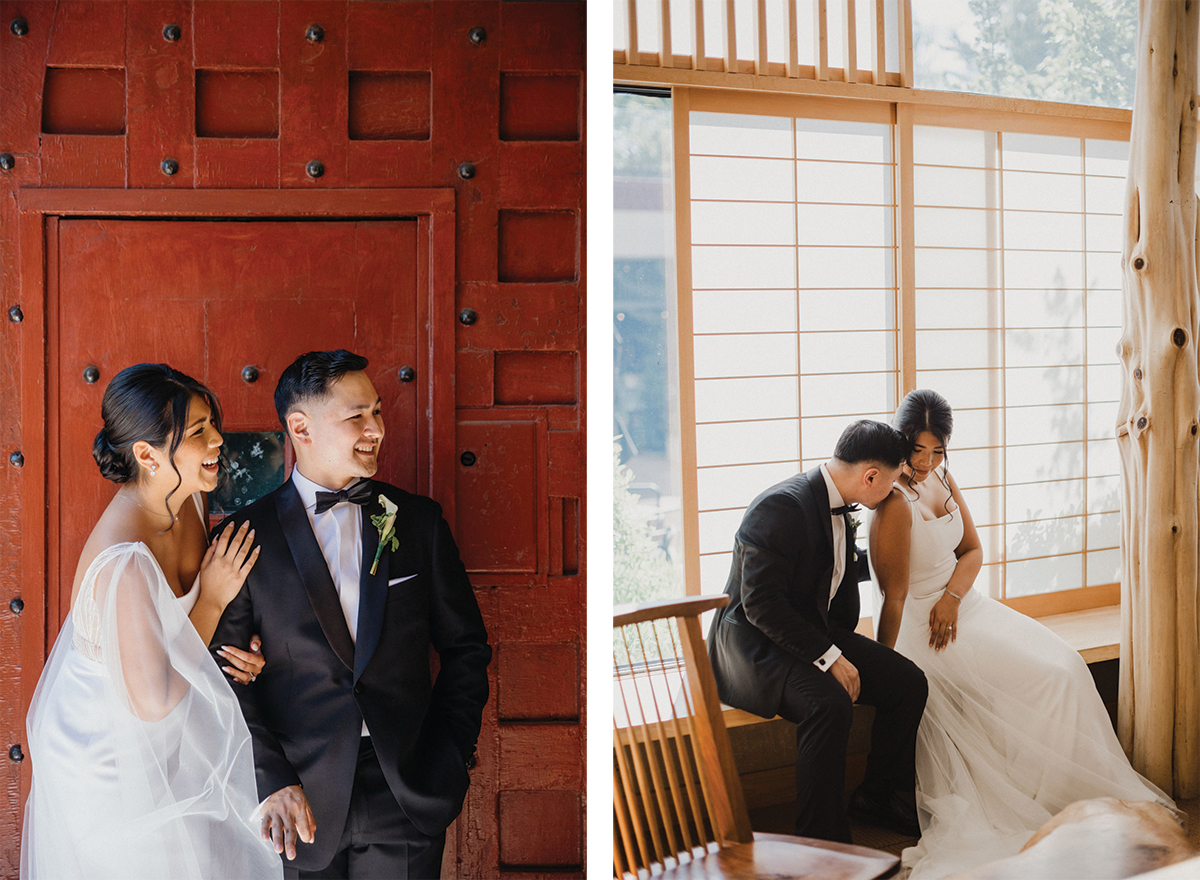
{"points": [[226, 564], [245, 665], [943, 622]]}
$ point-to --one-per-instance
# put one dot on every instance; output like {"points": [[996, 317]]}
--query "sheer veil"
{"points": [[142, 761]]}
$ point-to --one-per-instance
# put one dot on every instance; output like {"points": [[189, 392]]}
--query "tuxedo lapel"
{"points": [[819, 495], [314, 572], [372, 588]]}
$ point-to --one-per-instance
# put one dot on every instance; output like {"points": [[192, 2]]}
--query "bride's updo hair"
{"points": [[925, 410], [146, 402]]}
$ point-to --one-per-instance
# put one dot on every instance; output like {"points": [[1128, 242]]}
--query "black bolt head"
{"points": [[169, 167], [476, 35], [315, 168], [468, 316], [468, 458], [250, 374], [17, 605], [17, 459], [16, 315], [91, 375], [15, 754], [19, 26], [466, 170], [315, 33], [407, 374], [7, 162], [172, 33]]}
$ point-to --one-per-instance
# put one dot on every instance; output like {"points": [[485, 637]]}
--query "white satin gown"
{"points": [[142, 762], [1014, 729]]}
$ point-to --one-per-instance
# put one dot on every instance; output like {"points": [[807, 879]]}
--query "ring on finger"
{"points": [[253, 676]]}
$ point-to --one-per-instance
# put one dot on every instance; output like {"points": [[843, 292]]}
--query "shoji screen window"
{"points": [[1017, 279], [793, 304]]}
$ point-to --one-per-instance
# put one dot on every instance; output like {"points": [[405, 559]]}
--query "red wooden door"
{"points": [[212, 298], [150, 142]]}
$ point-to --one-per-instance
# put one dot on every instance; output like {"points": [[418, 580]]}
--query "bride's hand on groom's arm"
{"points": [[286, 816], [245, 666], [226, 564], [846, 674]]}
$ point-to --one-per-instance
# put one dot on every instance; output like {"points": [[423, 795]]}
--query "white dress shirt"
{"points": [[339, 533], [839, 562]]}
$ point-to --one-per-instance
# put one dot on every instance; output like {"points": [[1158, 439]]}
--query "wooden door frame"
{"points": [[39, 211]]}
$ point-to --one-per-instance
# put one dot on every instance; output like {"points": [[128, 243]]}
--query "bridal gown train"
{"points": [[142, 763], [1014, 729]]}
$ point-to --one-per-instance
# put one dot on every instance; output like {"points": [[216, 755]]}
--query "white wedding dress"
{"points": [[1014, 729], [142, 762]]}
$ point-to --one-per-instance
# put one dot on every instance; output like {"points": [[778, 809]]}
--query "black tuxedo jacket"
{"points": [[779, 612], [305, 711]]}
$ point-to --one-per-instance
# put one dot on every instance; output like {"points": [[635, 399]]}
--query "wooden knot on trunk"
{"points": [[1142, 422], [1139, 263], [1137, 374], [1179, 337], [1193, 429]]}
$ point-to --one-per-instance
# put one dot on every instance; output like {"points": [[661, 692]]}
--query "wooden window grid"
{"points": [[904, 110]]}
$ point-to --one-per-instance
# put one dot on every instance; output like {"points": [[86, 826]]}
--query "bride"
{"points": [[1014, 729], [142, 763]]}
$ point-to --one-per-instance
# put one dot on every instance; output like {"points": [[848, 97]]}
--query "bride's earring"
{"points": [[154, 469]]}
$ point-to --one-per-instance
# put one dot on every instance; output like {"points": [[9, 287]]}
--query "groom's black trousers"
{"points": [[379, 841], [822, 709]]}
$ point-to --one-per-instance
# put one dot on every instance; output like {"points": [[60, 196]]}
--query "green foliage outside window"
{"points": [[1073, 51]]}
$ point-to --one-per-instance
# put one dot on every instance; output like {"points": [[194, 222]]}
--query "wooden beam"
{"points": [[666, 58], [731, 56], [698, 56], [793, 62], [760, 37], [906, 271], [821, 40], [690, 489], [878, 43], [1158, 717], [906, 43], [632, 49], [849, 43]]}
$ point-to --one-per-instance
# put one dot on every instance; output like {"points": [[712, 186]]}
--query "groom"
{"points": [[361, 762], [785, 645]]}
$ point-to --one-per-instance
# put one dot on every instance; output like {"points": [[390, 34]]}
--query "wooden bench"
{"points": [[764, 749]]}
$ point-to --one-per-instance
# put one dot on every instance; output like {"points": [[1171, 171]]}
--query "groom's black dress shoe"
{"points": [[891, 813]]}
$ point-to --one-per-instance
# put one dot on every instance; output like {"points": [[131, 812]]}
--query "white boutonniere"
{"points": [[855, 522], [386, 523]]}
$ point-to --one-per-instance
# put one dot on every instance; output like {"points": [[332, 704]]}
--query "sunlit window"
{"points": [[793, 303], [1018, 315]]}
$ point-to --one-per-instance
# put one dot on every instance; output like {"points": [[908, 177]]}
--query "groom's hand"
{"points": [[847, 675], [286, 816]]}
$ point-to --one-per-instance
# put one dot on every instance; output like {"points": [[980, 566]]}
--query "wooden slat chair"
{"points": [[678, 808]]}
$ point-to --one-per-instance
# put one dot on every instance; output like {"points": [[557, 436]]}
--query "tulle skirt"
{"points": [[1014, 731]]}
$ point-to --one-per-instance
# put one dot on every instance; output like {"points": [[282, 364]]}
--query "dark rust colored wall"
{"points": [[395, 96]]}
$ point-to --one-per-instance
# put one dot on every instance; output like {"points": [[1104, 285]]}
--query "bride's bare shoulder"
{"points": [[893, 510], [112, 528]]}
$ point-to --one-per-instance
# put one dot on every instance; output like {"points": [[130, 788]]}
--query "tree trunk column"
{"points": [[1159, 712]]}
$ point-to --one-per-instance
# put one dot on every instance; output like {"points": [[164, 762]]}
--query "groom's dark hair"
{"points": [[310, 376], [876, 442]]}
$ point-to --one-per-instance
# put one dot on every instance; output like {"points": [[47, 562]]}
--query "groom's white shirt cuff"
{"points": [[826, 660]]}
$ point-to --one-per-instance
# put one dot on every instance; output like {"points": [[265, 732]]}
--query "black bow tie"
{"points": [[359, 493], [837, 511]]}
